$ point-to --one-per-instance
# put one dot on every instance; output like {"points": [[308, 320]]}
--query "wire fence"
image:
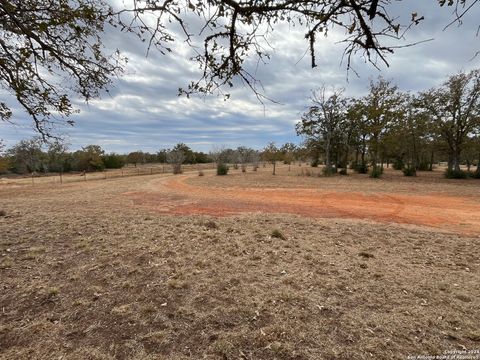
{"points": [[71, 177]]}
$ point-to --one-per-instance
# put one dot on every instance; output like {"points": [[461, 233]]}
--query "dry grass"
{"points": [[87, 275]]}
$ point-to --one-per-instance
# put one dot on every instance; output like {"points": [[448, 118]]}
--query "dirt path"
{"points": [[174, 195]]}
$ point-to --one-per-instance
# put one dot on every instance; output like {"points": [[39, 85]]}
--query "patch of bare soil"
{"points": [[396, 202], [86, 275]]}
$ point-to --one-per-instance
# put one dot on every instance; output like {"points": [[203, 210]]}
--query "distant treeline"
{"points": [[36, 156], [33, 155]]}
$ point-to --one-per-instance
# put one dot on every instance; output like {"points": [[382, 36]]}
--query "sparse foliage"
{"points": [[271, 154], [27, 156], [322, 123], [176, 157], [136, 157], [222, 169]]}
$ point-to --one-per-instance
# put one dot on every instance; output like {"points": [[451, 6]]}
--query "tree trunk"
{"points": [[414, 155], [328, 164], [456, 160], [364, 149], [431, 161], [274, 163], [375, 152], [478, 164], [347, 151]]}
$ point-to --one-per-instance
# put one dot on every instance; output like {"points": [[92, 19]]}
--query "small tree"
{"points": [[176, 157], [114, 161], [89, 158], [244, 155], [3, 159], [288, 151], [27, 156], [136, 157], [57, 156], [271, 154], [321, 124]]}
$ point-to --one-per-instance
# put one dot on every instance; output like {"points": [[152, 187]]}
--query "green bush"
{"points": [[456, 174], [222, 169], [376, 172], [278, 234], [113, 161], [315, 163], [409, 171]]}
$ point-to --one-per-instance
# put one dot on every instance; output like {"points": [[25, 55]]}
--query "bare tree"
{"points": [[176, 157], [244, 155], [321, 123], [271, 154]]}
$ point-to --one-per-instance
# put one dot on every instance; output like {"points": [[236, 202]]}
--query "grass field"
{"points": [[246, 266]]}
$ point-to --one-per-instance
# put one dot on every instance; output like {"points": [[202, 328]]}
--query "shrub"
{"points": [[423, 166], [278, 234], [398, 164], [327, 172], [376, 172], [307, 172], [409, 171], [177, 169], [211, 224], [222, 169], [456, 174], [314, 163], [200, 173], [361, 168], [235, 166], [255, 168], [343, 171], [476, 175], [113, 161], [3, 166]]}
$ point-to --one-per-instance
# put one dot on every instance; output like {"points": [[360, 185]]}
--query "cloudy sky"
{"points": [[143, 112]]}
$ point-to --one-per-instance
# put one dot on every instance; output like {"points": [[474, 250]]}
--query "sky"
{"points": [[143, 112]]}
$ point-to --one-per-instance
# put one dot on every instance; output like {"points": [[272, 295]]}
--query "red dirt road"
{"points": [[174, 195]]}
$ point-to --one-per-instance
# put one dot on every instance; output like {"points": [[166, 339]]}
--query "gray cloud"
{"points": [[142, 109]]}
